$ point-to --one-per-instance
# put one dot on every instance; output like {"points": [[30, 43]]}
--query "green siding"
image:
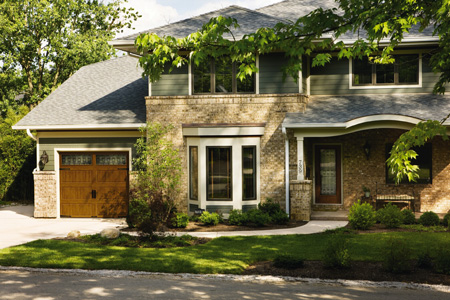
{"points": [[173, 84], [333, 79], [49, 144], [249, 207], [271, 75], [192, 207]]}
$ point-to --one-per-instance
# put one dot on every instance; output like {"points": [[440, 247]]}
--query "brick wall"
{"points": [[359, 171], [269, 109], [300, 194], [45, 205]]}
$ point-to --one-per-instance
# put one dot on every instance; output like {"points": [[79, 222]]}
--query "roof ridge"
{"points": [[199, 16]]}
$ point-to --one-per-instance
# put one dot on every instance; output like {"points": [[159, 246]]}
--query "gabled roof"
{"points": [[291, 10], [249, 21], [333, 111], [108, 94]]}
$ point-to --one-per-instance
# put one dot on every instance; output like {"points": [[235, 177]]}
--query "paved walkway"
{"points": [[17, 226]]}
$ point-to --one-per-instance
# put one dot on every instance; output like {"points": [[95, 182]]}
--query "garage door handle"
{"points": [[94, 194]]}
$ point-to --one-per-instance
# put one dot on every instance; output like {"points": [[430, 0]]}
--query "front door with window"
{"points": [[328, 174]]}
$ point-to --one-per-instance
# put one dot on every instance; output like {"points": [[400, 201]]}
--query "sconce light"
{"points": [[43, 160], [366, 149]]}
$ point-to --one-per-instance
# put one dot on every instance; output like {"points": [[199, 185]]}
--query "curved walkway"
{"points": [[17, 226]]}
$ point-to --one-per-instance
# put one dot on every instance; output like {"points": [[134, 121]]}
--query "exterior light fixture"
{"points": [[366, 149], [43, 160]]}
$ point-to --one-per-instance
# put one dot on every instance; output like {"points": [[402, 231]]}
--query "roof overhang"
{"points": [[133, 126]]}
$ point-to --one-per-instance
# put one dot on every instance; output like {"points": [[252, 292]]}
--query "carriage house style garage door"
{"points": [[94, 184]]}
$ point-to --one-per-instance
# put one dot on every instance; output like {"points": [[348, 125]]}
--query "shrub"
{"points": [[210, 219], [180, 220], [194, 218], [391, 216], [286, 261], [361, 216], [270, 207], [158, 177], [336, 253], [397, 256], [442, 261], [446, 220], [236, 217], [280, 218], [424, 260], [429, 218], [258, 217], [408, 217]]}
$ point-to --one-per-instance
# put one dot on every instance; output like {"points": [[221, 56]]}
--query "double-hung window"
{"points": [[404, 71], [219, 76]]}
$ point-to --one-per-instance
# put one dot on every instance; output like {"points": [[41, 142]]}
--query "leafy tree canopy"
{"points": [[43, 42], [378, 25]]}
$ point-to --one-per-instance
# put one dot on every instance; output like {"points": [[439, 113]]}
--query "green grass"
{"points": [[229, 255], [126, 240]]}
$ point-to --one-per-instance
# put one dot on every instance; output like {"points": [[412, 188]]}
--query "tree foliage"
{"points": [[377, 26], [15, 148], [157, 183], [321, 31], [43, 42]]}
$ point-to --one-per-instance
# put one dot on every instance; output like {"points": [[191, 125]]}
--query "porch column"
{"points": [[300, 158]]}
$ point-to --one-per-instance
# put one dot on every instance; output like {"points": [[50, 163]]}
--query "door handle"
{"points": [[94, 194]]}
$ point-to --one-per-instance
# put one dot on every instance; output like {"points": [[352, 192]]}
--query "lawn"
{"points": [[229, 255]]}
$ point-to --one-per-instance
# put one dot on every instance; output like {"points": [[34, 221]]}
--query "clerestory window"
{"points": [[404, 71], [219, 76]]}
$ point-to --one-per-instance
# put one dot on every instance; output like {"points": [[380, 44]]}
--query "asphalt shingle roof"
{"points": [[108, 92], [341, 109], [249, 21]]}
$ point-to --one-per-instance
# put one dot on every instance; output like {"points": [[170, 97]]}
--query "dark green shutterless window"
{"points": [[219, 173], [249, 172], [193, 172]]}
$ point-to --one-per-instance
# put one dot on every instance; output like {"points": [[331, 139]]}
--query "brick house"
{"points": [[311, 144]]}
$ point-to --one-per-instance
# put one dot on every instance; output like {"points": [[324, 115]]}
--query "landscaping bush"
{"points": [[408, 217], [424, 260], [237, 217], [429, 218], [289, 262], [156, 185], [442, 260], [210, 219], [280, 218], [258, 217], [391, 216], [180, 220], [446, 220], [397, 256], [270, 207], [336, 253], [361, 216]]}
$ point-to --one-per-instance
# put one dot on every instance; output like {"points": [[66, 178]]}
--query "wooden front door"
{"points": [[328, 174], [94, 184]]}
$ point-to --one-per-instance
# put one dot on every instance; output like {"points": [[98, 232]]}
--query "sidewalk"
{"points": [[17, 226]]}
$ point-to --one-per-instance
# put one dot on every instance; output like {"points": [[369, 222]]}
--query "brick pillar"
{"points": [[45, 205], [300, 194]]}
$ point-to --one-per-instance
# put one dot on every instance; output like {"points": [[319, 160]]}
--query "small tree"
{"points": [[159, 171]]}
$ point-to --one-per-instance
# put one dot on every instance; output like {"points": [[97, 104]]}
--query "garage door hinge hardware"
{"points": [[64, 168], [94, 194], [126, 169]]}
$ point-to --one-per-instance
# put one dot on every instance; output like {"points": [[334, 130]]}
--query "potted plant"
{"points": [[366, 191]]}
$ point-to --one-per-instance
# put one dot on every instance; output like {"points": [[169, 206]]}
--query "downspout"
{"points": [[31, 135], [286, 169]]}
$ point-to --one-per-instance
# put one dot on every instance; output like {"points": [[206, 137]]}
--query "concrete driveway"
{"points": [[17, 226]]}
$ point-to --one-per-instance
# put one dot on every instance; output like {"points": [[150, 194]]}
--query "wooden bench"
{"points": [[395, 198], [381, 199]]}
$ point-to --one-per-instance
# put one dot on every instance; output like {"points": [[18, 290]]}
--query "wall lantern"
{"points": [[366, 149], [43, 160]]}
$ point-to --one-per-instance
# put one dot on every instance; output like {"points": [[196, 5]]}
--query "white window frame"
{"points": [[377, 87], [236, 144]]}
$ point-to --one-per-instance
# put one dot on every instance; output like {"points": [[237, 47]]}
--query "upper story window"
{"points": [[219, 76], [405, 71]]}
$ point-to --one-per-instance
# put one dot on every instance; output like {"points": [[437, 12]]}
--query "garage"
{"points": [[94, 184]]}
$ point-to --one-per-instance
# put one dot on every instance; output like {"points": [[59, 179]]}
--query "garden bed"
{"points": [[200, 227]]}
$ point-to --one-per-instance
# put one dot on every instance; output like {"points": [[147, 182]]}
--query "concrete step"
{"points": [[339, 215]]}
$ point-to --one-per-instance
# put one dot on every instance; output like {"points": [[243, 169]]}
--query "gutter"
{"points": [[80, 127]]}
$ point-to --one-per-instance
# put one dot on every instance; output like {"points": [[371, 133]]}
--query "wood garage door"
{"points": [[94, 184]]}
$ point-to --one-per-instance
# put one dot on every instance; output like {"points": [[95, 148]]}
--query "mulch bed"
{"points": [[373, 271]]}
